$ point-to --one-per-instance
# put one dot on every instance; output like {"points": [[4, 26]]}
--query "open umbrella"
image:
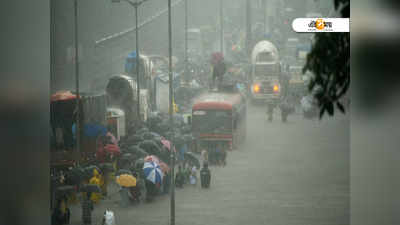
{"points": [[127, 156], [106, 167], [65, 190], [152, 172], [126, 180], [152, 158], [139, 163], [62, 95], [94, 130], [137, 151], [167, 144], [150, 147], [135, 139], [112, 149], [112, 137]]}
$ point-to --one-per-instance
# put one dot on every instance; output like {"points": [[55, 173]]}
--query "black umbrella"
{"points": [[142, 130], [106, 167], [127, 156], [148, 136], [139, 163], [191, 157], [89, 171], [75, 176], [134, 139], [150, 147], [136, 150], [94, 188]]}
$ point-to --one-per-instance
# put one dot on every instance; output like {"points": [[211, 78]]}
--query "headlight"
{"points": [[256, 88]]}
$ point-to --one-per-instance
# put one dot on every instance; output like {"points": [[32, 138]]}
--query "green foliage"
{"points": [[329, 61]]}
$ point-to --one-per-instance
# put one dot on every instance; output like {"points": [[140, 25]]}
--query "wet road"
{"points": [[285, 174]]}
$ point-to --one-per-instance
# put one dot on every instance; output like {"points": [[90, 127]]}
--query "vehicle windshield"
{"points": [[212, 121], [266, 57], [266, 70]]}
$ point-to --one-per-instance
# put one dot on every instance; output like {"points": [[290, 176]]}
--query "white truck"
{"points": [[265, 78], [265, 73]]}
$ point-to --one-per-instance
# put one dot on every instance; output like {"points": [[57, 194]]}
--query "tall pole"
{"points": [[186, 40], [137, 64], [248, 27], [221, 21], [264, 8], [171, 119], [78, 119]]}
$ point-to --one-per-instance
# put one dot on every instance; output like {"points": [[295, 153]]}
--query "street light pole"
{"points": [[264, 8], [136, 5], [221, 20], [137, 64], [171, 119], [186, 40], [78, 119]]}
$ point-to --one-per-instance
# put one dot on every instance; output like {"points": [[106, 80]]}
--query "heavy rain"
{"points": [[198, 112]]}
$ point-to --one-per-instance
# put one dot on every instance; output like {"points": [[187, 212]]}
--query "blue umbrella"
{"points": [[152, 172], [91, 130], [130, 63]]}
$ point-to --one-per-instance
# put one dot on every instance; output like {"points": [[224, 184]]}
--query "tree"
{"points": [[329, 61]]}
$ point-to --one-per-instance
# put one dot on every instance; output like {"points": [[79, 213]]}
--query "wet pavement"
{"points": [[285, 174]]}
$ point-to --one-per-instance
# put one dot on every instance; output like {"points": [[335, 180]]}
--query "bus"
{"points": [[219, 118]]}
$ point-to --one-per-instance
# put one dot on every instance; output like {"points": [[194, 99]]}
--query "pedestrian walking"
{"points": [[223, 157]]}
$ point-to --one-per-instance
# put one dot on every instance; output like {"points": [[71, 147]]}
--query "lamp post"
{"points": [[248, 27], [136, 5], [171, 118], [264, 8], [221, 20], [186, 40], [78, 111]]}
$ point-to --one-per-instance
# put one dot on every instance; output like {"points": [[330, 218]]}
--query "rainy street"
{"points": [[285, 174]]}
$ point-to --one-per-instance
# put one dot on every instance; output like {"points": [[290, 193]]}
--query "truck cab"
{"points": [[265, 73]]}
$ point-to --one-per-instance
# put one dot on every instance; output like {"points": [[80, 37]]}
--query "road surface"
{"points": [[285, 174]]}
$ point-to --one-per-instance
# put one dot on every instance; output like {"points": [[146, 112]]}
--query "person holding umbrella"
{"points": [[95, 180], [153, 175]]}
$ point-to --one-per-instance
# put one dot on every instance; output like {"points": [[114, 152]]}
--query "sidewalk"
{"points": [[110, 202]]}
